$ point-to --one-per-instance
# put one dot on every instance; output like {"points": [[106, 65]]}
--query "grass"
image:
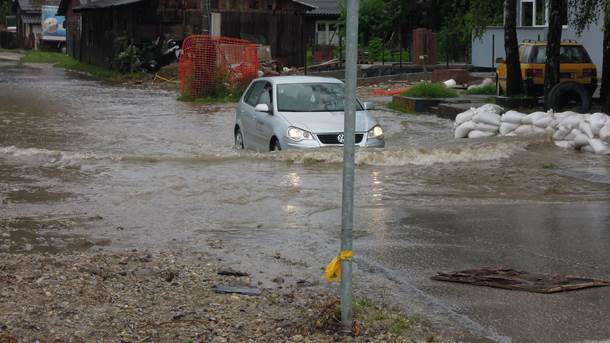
{"points": [[430, 90], [550, 166], [485, 90], [67, 62], [395, 322], [227, 98]]}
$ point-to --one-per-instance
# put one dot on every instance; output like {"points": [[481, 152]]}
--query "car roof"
{"points": [[541, 43], [278, 80]]}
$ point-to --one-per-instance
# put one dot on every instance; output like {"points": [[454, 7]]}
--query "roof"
{"points": [[324, 7], [35, 5], [104, 4], [299, 79], [543, 43], [31, 19]]}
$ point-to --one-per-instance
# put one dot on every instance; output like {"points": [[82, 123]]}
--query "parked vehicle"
{"points": [[299, 112], [576, 66], [578, 75]]}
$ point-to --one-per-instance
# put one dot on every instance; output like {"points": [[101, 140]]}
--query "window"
{"points": [[541, 13], [568, 54], [326, 33], [254, 92], [527, 13], [311, 97]]}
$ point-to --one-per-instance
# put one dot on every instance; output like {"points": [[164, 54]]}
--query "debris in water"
{"points": [[237, 290], [520, 281], [232, 272]]}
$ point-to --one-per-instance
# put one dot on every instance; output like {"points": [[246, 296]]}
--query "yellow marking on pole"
{"points": [[333, 269]]}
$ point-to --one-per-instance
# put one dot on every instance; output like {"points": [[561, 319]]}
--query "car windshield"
{"points": [[568, 54], [311, 97]]}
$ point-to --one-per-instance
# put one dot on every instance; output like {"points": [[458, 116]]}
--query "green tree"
{"points": [[514, 80], [5, 9], [584, 14]]}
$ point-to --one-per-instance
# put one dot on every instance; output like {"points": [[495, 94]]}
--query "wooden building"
{"points": [[28, 14], [95, 28]]}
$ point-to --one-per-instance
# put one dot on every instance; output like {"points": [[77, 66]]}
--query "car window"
{"points": [[254, 93], [266, 96], [312, 97], [568, 54]]}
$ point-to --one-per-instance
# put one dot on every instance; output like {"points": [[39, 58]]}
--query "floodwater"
{"points": [[84, 163]]}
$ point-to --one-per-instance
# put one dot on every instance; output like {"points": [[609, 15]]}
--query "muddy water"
{"points": [[132, 168]]}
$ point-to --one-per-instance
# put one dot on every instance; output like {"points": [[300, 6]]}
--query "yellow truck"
{"points": [[576, 67]]}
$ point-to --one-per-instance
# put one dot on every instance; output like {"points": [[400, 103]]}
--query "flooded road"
{"points": [[111, 167]]}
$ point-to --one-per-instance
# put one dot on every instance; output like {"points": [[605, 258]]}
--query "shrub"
{"points": [[430, 90]]}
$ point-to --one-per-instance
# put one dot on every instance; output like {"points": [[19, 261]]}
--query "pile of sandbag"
{"points": [[588, 132]]}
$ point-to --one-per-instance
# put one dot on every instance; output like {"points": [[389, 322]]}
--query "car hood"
{"points": [[321, 122]]}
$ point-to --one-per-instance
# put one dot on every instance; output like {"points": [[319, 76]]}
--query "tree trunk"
{"points": [[553, 48], [605, 91], [514, 81]]}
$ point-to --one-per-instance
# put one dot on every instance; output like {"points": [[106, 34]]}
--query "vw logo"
{"points": [[340, 138]]}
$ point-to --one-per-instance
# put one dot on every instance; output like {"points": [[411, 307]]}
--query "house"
{"points": [[97, 30], [532, 24], [321, 23], [28, 14]]}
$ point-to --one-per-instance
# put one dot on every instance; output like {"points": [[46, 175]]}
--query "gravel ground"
{"points": [[162, 297]]}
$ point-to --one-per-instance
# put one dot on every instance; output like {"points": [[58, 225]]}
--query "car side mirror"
{"points": [[368, 106], [262, 108], [500, 60]]}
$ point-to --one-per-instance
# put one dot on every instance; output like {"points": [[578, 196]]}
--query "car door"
{"points": [[264, 120], [247, 114]]}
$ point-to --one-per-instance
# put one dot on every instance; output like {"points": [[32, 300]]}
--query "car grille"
{"points": [[333, 138]]}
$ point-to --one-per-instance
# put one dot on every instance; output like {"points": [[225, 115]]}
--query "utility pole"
{"points": [[347, 208]]}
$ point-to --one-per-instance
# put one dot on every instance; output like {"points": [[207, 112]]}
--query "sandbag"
{"points": [[599, 146], [573, 133], [564, 144], [585, 128], [480, 134], [463, 130], [563, 115], [483, 117], [587, 148], [512, 117], [543, 122], [597, 121], [486, 127], [524, 130], [581, 140], [532, 117], [561, 133], [464, 117], [450, 83], [506, 128], [491, 108], [571, 122], [604, 133]]}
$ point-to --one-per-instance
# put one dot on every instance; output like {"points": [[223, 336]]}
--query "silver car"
{"points": [[299, 112]]}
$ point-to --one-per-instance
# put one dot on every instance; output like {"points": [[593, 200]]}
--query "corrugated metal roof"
{"points": [[31, 19], [325, 7], [35, 5], [104, 4]]}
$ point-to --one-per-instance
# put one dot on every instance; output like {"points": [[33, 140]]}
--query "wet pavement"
{"points": [[85, 164]]}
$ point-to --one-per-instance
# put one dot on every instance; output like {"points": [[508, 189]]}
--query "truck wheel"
{"points": [[569, 96]]}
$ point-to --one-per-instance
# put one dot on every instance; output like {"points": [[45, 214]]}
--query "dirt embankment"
{"points": [[162, 297]]}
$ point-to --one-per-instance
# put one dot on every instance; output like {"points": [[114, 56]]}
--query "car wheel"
{"points": [[239, 139], [275, 145], [569, 96]]}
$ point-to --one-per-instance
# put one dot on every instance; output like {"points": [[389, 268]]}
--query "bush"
{"points": [[430, 90], [485, 90], [378, 52]]}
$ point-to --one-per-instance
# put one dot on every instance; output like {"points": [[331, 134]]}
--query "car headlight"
{"points": [[297, 134], [376, 132]]}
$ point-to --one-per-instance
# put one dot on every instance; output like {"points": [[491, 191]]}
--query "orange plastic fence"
{"points": [[210, 64]]}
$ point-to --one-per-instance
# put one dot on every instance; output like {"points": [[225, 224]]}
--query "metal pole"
{"points": [[347, 208]]}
